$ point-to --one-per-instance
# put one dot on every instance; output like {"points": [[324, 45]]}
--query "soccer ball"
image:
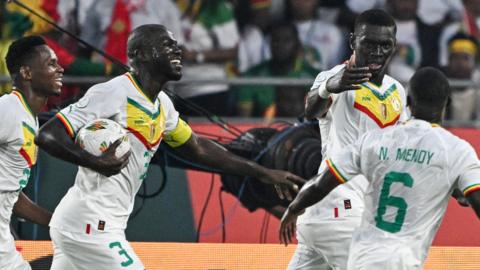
{"points": [[96, 136]]}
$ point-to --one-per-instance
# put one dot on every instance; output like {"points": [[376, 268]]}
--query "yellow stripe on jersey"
{"points": [[29, 148], [68, 126], [336, 172], [384, 109], [179, 135], [137, 86], [471, 189], [24, 102], [146, 126]]}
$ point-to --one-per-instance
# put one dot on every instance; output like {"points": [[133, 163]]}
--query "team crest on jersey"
{"points": [[29, 148], [384, 109]]}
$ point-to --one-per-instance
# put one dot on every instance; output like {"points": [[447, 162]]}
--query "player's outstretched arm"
{"points": [[54, 139], [29, 210], [312, 192], [209, 153], [474, 200], [347, 78]]}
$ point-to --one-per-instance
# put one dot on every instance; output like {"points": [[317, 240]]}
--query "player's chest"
{"points": [[382, 107], [145, 120], [23, 144]]}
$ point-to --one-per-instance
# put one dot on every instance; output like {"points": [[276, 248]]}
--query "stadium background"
{"points": [[174, 215]]}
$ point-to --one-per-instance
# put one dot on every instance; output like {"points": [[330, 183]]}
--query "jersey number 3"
{"points": [[392, 201]]}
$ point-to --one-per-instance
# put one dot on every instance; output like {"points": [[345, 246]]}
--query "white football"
{"points": [[96, 136]]}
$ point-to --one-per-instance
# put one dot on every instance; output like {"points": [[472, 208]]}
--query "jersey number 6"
{"points": [[398, 202]]}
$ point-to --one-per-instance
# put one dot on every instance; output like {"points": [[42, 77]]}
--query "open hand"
{"points": [[348, 78], [108, 163], [285, 183], [288, 226]]}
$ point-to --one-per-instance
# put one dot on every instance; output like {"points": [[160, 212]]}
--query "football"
{"points": [[96, 136]]}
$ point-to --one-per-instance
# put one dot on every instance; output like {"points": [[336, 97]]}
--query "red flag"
{"points": [[117, 32]]}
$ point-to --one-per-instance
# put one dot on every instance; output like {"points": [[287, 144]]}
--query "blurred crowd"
{"points": [[223, 39]]}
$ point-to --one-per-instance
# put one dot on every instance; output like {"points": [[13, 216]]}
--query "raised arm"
{"points": [[54, 139], [29, 210], [209, 153], [334, 81], [312, 192]]}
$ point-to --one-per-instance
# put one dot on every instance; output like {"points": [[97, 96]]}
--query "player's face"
{"points": [[167, 56], [46, 73], [373, 46]]}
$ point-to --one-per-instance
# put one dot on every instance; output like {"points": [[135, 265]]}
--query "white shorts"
{"points": [[369, 252], [324, 243], [11, 259], [80, 251]]}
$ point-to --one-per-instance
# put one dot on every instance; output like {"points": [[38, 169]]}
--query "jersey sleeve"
{"points": [[177, 131], [100, 101], [320, 81], [468, 167], [8, 123], [345, 164]]}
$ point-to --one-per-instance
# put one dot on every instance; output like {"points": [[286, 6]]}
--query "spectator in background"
{"points": [[465, 101], [470, 25], [287, 61], [211, 40], [408, 54], [323, 42], [108, 22], [18, 22], [254, 21]]}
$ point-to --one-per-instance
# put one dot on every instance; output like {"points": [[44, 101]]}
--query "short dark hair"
{"points": [[21, 51], [141, 37], [429, 86], [375, 17]]}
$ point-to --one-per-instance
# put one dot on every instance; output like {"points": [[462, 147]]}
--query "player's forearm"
{"points": [[27, 209], [54, 139], [213, 155], [474, 200], [314, 191], [315, 105]]}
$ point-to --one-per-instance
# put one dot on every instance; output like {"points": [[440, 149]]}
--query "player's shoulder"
{"points": [[451, 140], [113, 87], [389, 80], [165, 100], [8, 105]]}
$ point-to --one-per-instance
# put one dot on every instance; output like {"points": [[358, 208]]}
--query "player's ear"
{"points": [[25, 72], [351, 40], [139, 55]]}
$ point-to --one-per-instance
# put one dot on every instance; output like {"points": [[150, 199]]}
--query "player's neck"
{"points": [[378, 79], [149, 85], [35, 102], [426, 114]]}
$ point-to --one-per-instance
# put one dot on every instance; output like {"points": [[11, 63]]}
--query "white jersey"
{"points": [[352, 114], [412, 169], [97, 203], [18, 153]]}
